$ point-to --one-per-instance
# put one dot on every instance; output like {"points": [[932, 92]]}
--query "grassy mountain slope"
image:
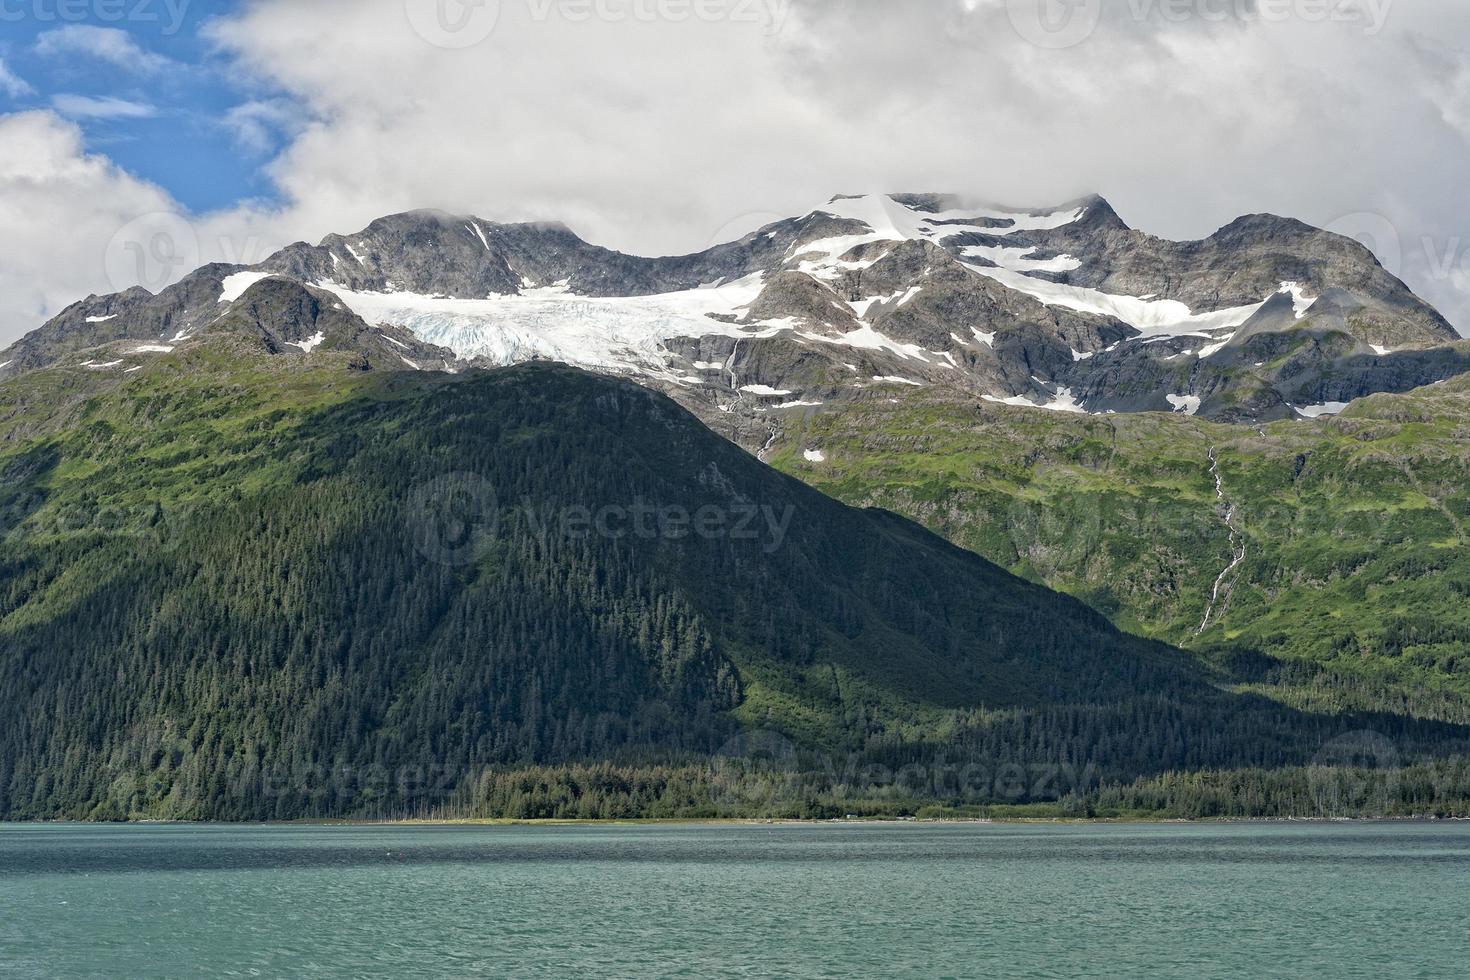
{"points": [[1353, 529], [225, 578]]}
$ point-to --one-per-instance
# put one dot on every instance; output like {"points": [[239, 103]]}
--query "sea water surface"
{"points": [[1234, 900]]}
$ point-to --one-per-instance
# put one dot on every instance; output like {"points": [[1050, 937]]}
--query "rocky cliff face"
{"points": [[1236, 266], [1063, 308]]}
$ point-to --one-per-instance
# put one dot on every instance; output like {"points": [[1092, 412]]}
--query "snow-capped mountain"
{"points": [[1064, 308]]}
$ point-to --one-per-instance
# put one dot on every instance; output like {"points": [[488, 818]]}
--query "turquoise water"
{"points": [[1346, 900]]}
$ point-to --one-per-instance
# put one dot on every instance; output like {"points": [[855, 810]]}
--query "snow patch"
{"points": [[814, 456], [765, 391], [862, 306], [892, 221], [234, 286], [152, 349], [895, 380], [1188, 404], [822, 258], [1317, 411], [310, 344], [1152, 318], [1018, 259], [101, 319], [1064, 401], [1299, 301], [909, 294], [866, 338], [1213, 349]]}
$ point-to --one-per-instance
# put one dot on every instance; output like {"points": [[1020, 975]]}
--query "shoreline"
{"points": [[490, 822]]}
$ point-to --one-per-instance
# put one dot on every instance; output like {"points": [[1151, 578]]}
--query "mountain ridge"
{"points": [[829, 307]]}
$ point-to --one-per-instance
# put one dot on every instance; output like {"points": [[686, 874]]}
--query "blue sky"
{"points": [[150, 91]]}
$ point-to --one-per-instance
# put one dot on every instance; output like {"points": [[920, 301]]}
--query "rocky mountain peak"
{"points": [[865, 296]]}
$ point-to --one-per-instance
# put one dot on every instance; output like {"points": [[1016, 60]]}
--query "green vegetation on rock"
{"points": [[236, 588], [1352, 589]]}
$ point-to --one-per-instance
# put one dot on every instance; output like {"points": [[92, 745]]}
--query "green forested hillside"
{"points": [[1354, 568], [231, 591]]}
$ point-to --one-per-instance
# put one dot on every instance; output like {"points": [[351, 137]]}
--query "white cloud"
{"points": [[13, 85], [659, 135], [103, 43], [59, 207], [73, 224], [106, 107], [257, 125], [623, 130], [649, 135]]}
